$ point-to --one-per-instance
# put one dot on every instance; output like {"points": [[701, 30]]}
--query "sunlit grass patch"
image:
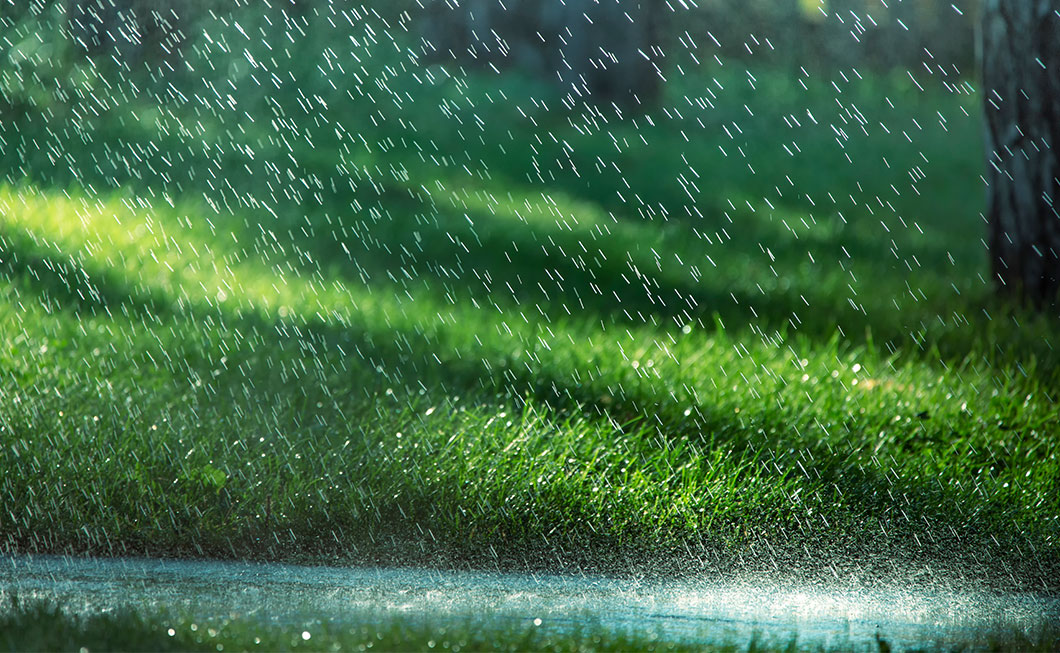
{"points": [[568, 431]]}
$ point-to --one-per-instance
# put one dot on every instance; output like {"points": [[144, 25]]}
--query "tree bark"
{"points": [[1021, 94]]}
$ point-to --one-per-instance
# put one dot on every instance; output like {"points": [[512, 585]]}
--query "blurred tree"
{"points": [[604, 50], [133, 31], [1021, 93]]}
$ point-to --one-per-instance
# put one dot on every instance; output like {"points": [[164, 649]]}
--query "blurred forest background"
{"points": [[555, 39]]}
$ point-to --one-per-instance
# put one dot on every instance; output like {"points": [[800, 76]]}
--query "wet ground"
{"points": [[707, 612]]}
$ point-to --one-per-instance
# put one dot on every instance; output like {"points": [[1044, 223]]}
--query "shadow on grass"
{"points": [[483, 253], [410, 359]]}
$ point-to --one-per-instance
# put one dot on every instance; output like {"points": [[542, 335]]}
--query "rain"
{"points": [[573, 325]]}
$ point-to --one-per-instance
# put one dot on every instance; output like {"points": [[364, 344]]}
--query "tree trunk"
{"points": [[1021, 93], [132, 31], [609, 51], [606, 51]]}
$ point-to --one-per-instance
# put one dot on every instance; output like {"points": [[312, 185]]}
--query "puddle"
{"points": [[703, 612]]}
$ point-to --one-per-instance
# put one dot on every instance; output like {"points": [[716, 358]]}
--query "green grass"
{"points": [[468, 329], [46, 627], [43, 626]]}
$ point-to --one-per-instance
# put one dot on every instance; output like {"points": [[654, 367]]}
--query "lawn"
{"points": [[39, 626], [331, 302], [43, 626]]}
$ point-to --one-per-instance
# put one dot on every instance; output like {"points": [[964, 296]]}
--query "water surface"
{"points": [[707, 611]]}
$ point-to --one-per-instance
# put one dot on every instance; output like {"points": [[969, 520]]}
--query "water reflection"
{"points": [[731, 611]]}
